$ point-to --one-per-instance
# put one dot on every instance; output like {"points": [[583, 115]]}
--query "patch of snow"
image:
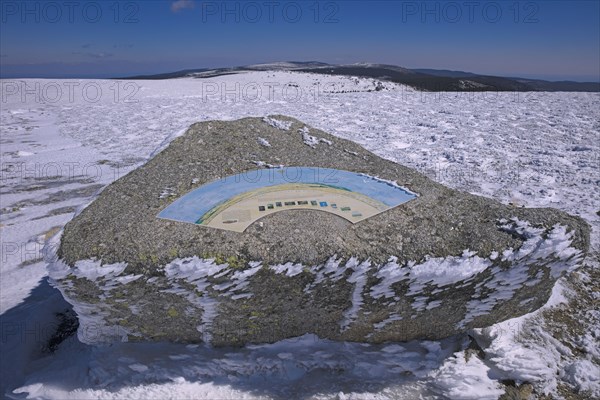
{"points": [[393, 317], [310, 140], [93, 269], [443, 271], [389, 274], [171, 370], [465, 84], [433, 304], [195, 271], [552, 249], [515, 357], [389, 182], [440, 272], [209, 312], [584, 375], [239, 281], [124, 280], [290, 269], [266, 165], [279, 124], [264, 142], [359, 278], [138, 367], [192, 269], [167, 192], [465, 380], [331, 270]]}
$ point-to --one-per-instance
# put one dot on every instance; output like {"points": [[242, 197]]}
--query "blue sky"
{"points": [[546, 39]]}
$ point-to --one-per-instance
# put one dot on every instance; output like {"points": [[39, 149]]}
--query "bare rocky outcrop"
{"points": [[435, 266]]}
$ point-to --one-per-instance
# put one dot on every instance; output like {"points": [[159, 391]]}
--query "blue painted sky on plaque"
{"points": [[237, 201]]}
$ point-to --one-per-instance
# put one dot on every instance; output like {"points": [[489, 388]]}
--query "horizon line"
{"points": [[129, 75]]}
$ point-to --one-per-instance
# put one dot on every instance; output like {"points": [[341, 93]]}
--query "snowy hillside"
{"points": [[63, 141]]}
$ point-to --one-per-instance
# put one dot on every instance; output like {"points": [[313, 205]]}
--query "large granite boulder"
{"points": [[437, 265]]}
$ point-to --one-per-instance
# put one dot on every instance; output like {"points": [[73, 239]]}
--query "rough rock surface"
{"points": [[435, 266]]}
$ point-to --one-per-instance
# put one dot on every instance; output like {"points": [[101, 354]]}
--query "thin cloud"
{"points": [[94, 55], [100, 55], [179, 5]]}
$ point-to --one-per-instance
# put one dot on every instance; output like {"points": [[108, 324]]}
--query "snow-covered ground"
{"points": [[63, 141]]}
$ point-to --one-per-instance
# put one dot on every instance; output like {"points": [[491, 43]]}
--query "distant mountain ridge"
{"points": [[432, 80], [444, 72]]}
